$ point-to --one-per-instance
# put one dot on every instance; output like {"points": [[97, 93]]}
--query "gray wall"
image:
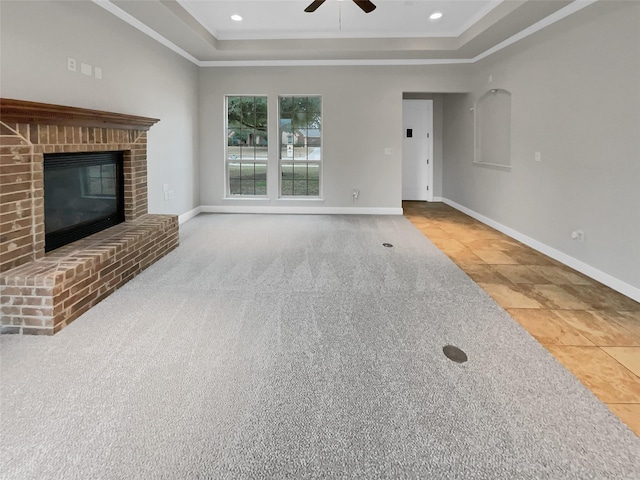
{"points": [[362, 116], [140, 77], [576, 99]]}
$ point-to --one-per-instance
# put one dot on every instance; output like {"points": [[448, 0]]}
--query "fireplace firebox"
{"points": [[83, 194]]}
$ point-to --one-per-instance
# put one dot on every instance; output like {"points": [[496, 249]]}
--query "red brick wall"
{"points": [[41, 293], [21, 179]]}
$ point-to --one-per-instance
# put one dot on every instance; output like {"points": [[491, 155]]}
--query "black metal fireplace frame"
{"points": [[64, 236]]}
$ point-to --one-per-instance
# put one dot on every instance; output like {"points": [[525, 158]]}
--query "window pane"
{"points": [[248, 104], [314, 104], [247, 178], [300, 179], [234, 178], [286, 183], [300, 153], [286, 106], [314, 179], [260, 179], [234, 107], [300, 184], [261, 112], [300, 104]]}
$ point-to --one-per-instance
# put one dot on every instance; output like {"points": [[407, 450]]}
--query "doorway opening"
{"points": [[417, 149]]}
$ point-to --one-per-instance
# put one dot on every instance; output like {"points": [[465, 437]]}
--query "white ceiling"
{"points": [[398, 31], [271, 19]]}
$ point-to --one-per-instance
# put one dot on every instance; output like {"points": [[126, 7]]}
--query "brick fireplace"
{"points": [[42, 292]]}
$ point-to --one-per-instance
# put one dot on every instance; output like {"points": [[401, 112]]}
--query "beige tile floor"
{"points": [[591, 329]]}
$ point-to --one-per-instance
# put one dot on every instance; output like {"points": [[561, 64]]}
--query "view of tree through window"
{"points": [[247, 142], [300, 145]]}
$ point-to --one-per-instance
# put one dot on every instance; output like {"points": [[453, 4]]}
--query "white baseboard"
{"points": [[300, 210], [598, 275], [188, 215]]}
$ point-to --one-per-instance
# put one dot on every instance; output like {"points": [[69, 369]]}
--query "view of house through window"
{"points": [[247, 142], [300, 145]]}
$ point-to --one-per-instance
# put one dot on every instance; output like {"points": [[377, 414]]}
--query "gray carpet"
{"points": [[300, 347]]}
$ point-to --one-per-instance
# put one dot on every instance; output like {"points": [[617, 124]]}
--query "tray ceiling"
{"points": [[338, 31]]}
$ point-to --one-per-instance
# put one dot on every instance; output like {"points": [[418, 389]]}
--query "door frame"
{"points": [[429, 147]]}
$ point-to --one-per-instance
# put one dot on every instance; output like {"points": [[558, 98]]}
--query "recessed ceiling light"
{"points": [[435, 15], [236, 18]]}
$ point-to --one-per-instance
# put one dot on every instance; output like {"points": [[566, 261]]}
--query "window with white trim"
{"points": [[300, 136], [247, 145]]}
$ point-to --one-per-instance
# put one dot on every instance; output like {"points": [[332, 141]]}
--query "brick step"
{"points": [[44, 296]]}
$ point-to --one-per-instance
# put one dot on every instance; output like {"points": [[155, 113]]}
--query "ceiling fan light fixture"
{"points": [[365, 5], [435, 16], [236, 18]]}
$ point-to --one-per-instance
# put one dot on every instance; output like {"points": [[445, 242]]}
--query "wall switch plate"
{"points": [[85, 69], [388, 151], [71, 64], [537, 156], [490, 78], [97, 72]]}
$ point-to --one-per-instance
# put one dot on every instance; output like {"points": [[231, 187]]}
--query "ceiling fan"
{"points": [[365, 5]]}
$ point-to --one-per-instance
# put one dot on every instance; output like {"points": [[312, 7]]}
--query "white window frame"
{"points": [[319, 162], [228, 161]]}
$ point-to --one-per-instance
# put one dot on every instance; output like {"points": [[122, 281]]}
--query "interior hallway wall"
{"points": [[575, 90]]}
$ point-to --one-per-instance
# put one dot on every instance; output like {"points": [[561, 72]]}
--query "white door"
{"points": [[417, 148]]}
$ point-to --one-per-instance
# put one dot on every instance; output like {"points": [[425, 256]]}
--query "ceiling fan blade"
{"points": [[314, 6], [365, 5]]}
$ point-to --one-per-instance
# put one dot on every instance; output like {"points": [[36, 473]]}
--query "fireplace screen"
{"points": [[83, 194]]}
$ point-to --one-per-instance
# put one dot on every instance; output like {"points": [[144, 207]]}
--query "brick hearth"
{"points": [[43, 292]]}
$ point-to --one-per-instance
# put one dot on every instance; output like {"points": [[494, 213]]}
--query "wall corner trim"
{"points": [[592, 272]]}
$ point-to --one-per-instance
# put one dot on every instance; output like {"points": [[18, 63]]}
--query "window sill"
{"points": [[247, 198], [303, 199]]}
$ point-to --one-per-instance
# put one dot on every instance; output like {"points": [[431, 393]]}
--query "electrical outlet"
{"points": [[355, 194], [97, 72], [71, 64], [578, 235], [536, 156]]}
